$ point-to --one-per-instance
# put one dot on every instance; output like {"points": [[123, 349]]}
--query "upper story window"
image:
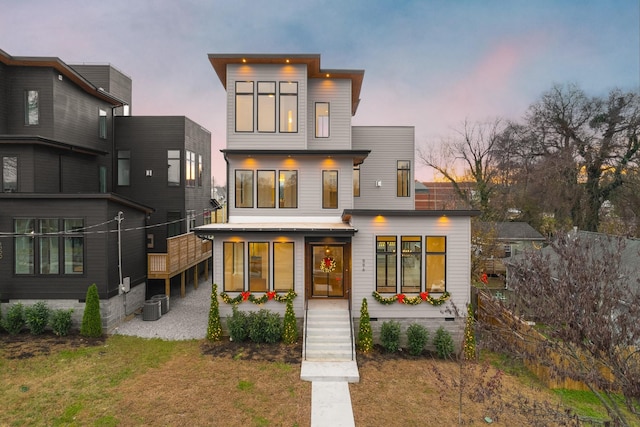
{"points": [[244, 188], [266, 106], [404, 173], [9, 174], [191, 220], [356, 181], [31, 107], [288, 194], [102, 121], [124, 167], [190, 166], [322, 120], [329, 189], [200, 170], [173, 168], [244, 106], [266, 189], [288, 107]]}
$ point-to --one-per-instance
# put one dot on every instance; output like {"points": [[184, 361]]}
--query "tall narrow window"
{"points": [[233, 262], [190, 166], [288, 107], [356, 181], [9, 174], [283, 266], [244, 106], [266, 106], [174, 223], [73, 246], [322, 119], [258, 267], [102, 122], [386, 264], [124, 167], [173, 168], [200, 170], [288, 183], [24, 245], [404, 171], [49, 244], [266, 189], [102, 179], [329, 189], [244, 189], [436, 249], [191, 220], [411, 263], [31, 107]]}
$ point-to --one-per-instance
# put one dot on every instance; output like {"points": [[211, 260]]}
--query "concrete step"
{"points": [[330, 371]]}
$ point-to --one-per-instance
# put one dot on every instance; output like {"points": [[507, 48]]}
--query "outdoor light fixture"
{"points": [[378, 183]]}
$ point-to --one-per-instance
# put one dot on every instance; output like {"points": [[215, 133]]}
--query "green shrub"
{"points": [[417, 339], [290, 325], [36, 317], [443, 343], [14, 320], [91, 319], [214, 328], [264, 326], [390, 336], [238, 325], [365, 335], [61, 322]]}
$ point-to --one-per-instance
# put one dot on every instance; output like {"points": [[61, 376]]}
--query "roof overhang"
{"points": [[358, 156], [270, 227], [39, 140], [348, 213], [312, 61]]}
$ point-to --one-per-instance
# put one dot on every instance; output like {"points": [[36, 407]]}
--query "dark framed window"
{"points": [[436, 254], [266, 106], [24, 245], [233, 264], [124, 167], [258, 266], [9, 174], [244, 106], [288, 189], [266, 189], [411, 268], [244, 188], [356, 181], [173, 168], [31, 107], [49, 246], [102, 179], [283, 266], [330, 189], [288, 107], [190, 167], [191, 220], [404, 176], [73, 246], [386, 264], [322, 120], [102, 123]]}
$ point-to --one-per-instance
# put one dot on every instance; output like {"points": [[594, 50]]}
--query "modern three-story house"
{"points": [[324, 208]]}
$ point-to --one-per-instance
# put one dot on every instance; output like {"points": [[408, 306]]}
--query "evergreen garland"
{"points": [[404, 299], [248, 296], [214, 328], [290, 326], [365, 335], [91, 320]]}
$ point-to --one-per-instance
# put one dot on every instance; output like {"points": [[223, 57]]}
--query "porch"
{"points": [[183, 252]]}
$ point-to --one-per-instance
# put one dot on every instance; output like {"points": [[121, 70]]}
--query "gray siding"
{"points": [[27, 78], [4, 97], [109, 78], [337, 92]]}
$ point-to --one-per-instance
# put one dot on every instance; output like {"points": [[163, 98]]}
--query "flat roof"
{"points": [[271, 227]]}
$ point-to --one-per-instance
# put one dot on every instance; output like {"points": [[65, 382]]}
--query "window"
{"points": [[200, 170], [191, 220], [329, 189], [124, 167], [102, 179], [266, 189], [404, 170], [24, 245], [206, 217], [174, 223], [173, 168], [244, 189], [31, 107], [49, 246], [73, 246], [244, 106], [288, 107], [283, 267], [190, 166], [266, 106], [258, 267], [322, 119], [102, 121], [288, 183], [233, 259], [9, 174], [386, 264], [436, 248], [356, 181], [411, 263]]}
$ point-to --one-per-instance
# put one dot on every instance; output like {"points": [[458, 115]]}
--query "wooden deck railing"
{"points": [[183, 252]]}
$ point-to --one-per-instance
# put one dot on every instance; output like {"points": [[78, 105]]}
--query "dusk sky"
{"points": [[428, 64]]}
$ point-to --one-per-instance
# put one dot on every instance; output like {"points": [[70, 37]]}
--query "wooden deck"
{"points": [[183, 252]]}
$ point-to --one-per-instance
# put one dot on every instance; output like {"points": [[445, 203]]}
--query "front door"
{"points": [[328, 270]]}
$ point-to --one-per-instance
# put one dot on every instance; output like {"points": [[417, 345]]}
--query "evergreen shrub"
{"points": [[61, 322], [14, 320], [91, 319], [417, 339], [443, 343], [36, 317], [390, 336]]}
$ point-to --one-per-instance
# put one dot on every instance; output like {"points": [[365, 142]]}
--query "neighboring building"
{"points": [[324, 208], [61, 202], [443, 195]]}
